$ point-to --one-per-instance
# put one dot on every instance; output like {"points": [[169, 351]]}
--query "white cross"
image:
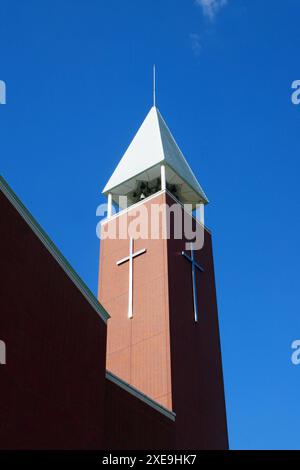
{"points": [[195, 266], [130, 259]]}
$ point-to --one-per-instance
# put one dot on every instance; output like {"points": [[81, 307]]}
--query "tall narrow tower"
{"points": [[163, 335]]}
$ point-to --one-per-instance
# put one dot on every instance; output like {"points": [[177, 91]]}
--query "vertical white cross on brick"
{"points": [[130, 259]]}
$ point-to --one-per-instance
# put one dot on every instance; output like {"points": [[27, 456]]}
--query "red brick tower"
{"points": [[163, 335]]}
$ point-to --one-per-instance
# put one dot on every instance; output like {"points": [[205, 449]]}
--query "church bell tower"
{"points": [[157, 283]]}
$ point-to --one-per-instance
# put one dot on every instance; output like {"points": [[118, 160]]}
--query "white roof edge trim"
{"points": [[129, 179], [202, 194], [141, 396], [53, 250]]}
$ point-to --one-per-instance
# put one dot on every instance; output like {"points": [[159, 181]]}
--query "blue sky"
{"points": [[79, 83]]}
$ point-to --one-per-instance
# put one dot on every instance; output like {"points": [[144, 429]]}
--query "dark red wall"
{"points": [[132, 424], [53, 391], [52, 387], [196, 364]]}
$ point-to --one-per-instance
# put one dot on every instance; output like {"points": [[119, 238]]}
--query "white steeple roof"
{"points": [[154, 145]]}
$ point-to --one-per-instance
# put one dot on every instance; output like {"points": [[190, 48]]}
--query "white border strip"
{"points": [[136, 393], [53, 250]]}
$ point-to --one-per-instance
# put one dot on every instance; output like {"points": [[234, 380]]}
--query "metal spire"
{"points": [[154, 86]]}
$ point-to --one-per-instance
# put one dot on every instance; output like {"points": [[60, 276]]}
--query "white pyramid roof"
{"points": [[152, 145]]}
